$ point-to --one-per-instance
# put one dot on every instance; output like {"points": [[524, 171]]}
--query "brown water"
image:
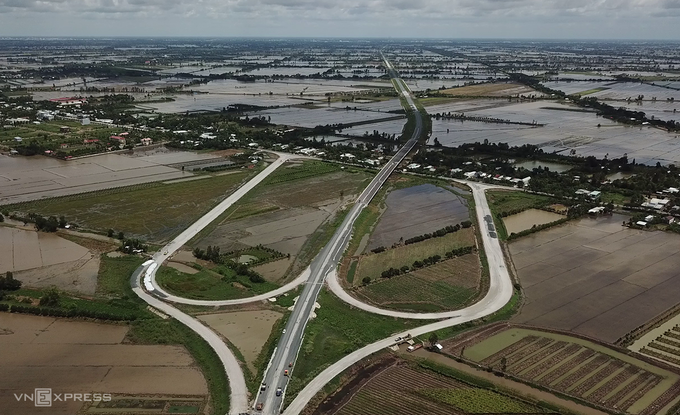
{"points": [[525, 220]]}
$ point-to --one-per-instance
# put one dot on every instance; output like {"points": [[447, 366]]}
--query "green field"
{"points": [[335, 333], [155, 211], [222, 283], [511, 201], [591, 91], [374, 264], [448, 285]]}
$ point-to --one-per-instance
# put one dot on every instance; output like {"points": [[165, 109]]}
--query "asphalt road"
{"points": [[324, 264], [500, 292]]}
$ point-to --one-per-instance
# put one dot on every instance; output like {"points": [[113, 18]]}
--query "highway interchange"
{"points": [[324, 265]]}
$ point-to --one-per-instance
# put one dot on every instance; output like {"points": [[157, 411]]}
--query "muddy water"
{"points": [[525, 220]]}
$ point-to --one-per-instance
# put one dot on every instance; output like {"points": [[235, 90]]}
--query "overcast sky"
{"points": [[536, 19]]}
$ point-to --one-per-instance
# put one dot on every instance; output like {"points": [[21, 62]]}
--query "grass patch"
{"points": [[334, 333], [114, 275], [222, 283], [591, 91], [352, 270], [508, 201], [156, 211], [373, 265], [448, 285]]}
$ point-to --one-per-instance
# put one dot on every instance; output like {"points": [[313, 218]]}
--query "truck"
{"points": [[414, 347]]}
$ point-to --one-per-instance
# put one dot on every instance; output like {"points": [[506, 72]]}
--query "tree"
{"points": [[8, 283], [50, 298], [433, 339], [62, 222], [504, 363], [110, 233], [366, 280], [121, 235]]}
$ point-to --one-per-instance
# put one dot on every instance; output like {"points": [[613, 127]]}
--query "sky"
{"points": [[457, 19]]}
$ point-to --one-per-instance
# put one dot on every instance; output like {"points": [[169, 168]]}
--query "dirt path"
{"points": [[520, 388]]}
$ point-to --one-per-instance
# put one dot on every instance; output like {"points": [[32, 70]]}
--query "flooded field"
{"points": [[615, 90], [596, 277], [527, 219], [436, 207], [247, 330], [564, 131], [83, 357], [29, 178], [311, 117], [41, 259]]}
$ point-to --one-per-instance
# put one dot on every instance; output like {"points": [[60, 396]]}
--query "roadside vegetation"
{"points": [[335, 333]]}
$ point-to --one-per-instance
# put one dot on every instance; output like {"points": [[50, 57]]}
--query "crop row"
{"points": [[568, 366], [517, 357], [552, 361], [612, 384], [456, 348], [663, 400], [669, 342], [598, 377], [661, 356], [399, 378], [509, 350], [672, 335], [589, 367], [669, 350], [676, 328], [537, 357], [381, 402], [636, 383], [640, 393]]}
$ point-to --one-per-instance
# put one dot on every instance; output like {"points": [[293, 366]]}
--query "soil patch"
{"points": [[84, 357], [247, 330], [596, 277]]}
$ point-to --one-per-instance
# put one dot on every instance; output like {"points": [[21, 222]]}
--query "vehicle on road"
{"points": [[290, 364], [263, 387], [285, 372], [259, 406], [284, 331], [279, 391]]}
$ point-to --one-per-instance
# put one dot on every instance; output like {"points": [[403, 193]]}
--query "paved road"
{"points": [[147, 272], [494, 247], [325, 263], [500, 292], [237, 383]]}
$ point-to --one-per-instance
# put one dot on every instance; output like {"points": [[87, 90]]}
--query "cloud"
{"points": [[390, 17]]}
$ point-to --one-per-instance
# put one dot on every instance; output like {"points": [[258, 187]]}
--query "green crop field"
{"points": [[155, 211], [448, 285], [374, 264], [479, 401], [509, 201]]}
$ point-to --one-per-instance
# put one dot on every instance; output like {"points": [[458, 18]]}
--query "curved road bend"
{"points": [[289, 344], [492, 248], [237, 383], [500, 292]]}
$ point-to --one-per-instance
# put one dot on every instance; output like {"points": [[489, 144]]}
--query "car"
{"points": [[284, 331], [290, 364], [259, 406], [285, 372], [263, 387], [398, 339], [279, 391]]}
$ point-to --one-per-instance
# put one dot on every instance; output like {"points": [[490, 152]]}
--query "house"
{"points": [[63, 145], [90, 141], [64, 129], [146, 141], [85, 121], [596, 210], [18, 139], [655, 203], [119, 139], [641, 223]]}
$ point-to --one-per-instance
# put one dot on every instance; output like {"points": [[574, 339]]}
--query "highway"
{"points": [[324, 264], [145, 275], [500, 292]]}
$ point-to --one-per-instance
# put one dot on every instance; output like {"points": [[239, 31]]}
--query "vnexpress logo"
{"points": [[43, 397]]}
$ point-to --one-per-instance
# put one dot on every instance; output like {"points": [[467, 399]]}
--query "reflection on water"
{"points": [[525, 220], [619, 176], [533, 164]]}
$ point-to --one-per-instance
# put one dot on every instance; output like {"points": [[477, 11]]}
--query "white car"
{"points": [[284, 331]]}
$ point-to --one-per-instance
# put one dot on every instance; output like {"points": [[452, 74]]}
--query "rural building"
{"points": [[596, 210], [63, 145], [64, 129], [69, 101], [655, 203], [90, 141], [146, 141], [121, 140], [18, 139], [85, 121]]}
